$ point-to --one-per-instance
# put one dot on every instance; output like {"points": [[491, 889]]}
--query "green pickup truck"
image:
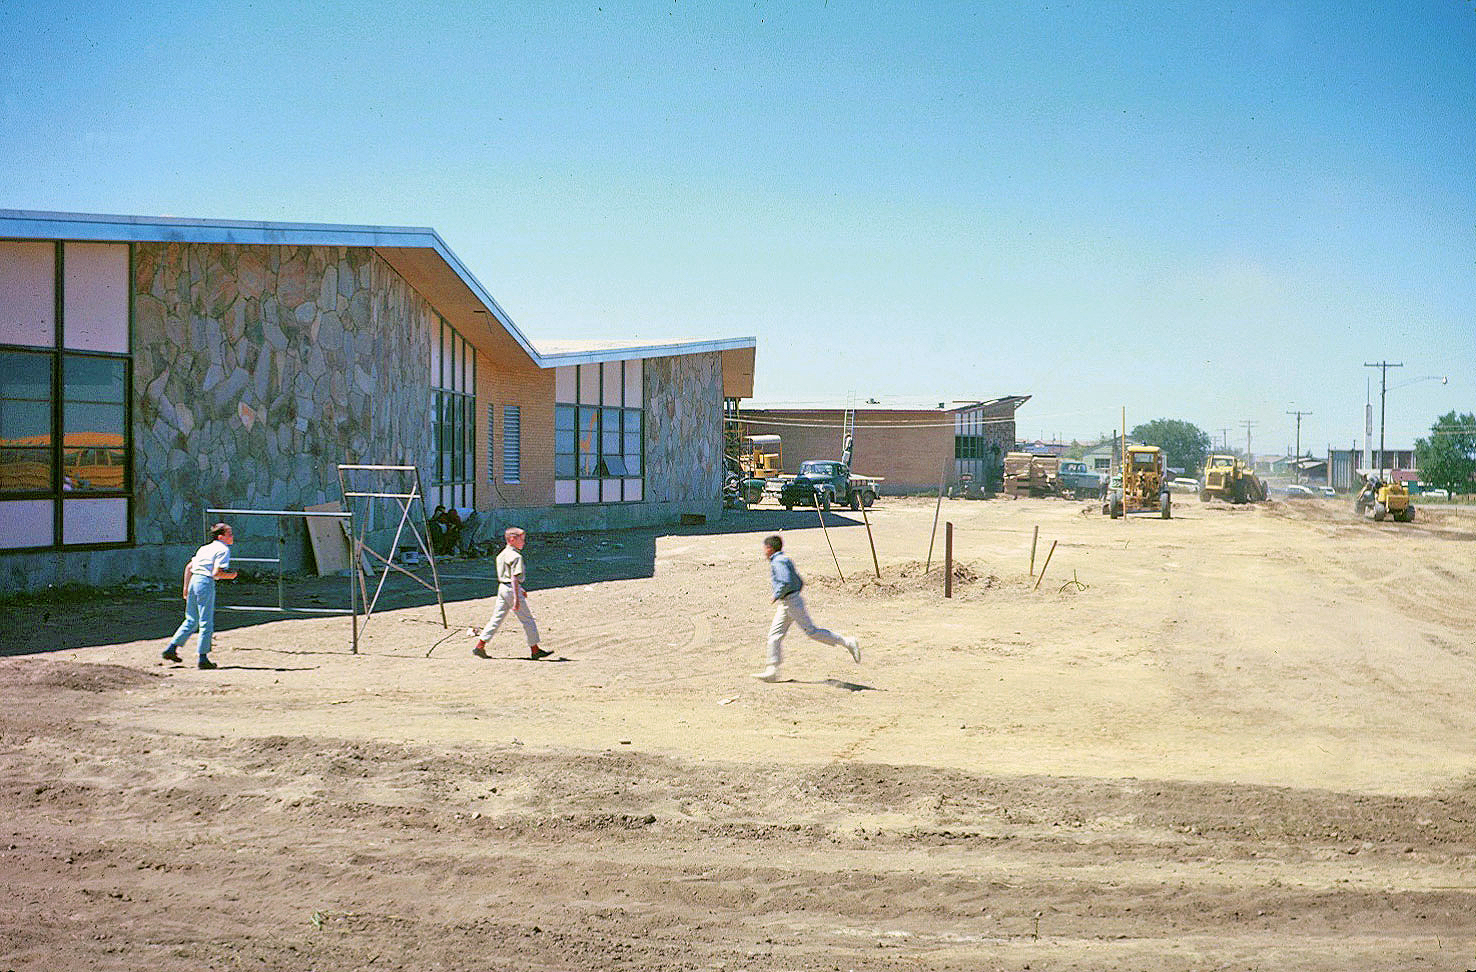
{"points": [[826, 483]]}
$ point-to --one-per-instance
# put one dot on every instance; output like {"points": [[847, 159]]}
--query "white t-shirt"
{"points": [[209, 558], [509, 565]]}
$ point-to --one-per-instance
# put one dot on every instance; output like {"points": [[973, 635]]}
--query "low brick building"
{"points": [[912, 449], [151, 368]]}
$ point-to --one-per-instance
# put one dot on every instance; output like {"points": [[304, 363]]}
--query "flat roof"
{"points": [[446, 280], [908, 405]]}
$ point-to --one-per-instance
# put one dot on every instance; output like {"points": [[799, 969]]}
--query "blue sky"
{"points": [[1215, 212]]}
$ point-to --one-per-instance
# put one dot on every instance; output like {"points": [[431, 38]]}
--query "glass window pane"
{"points": [[610, 443], [588, 463], [93, 379], [25, 423], [564, 384], [611, 372], [25, 375], [564, 466], [26, 523], [564, 417], [614, 465], [632, 445], [633, 383], [589, 419], [589, 384], [633, 463], [95, 521], [27, 294], [25, 470], [564, 442], [95, 296], [633, 421]]}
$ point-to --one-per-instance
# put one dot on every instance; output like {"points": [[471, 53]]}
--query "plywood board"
{"points": [[329, 538]]}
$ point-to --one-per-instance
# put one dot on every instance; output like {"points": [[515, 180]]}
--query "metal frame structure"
{"points": [[359, 546], [282, 608]]}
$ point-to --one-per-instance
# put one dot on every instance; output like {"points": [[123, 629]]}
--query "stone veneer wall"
{"points": [[257, 369], [684, 428]]}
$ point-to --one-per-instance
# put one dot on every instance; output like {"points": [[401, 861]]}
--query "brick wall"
{"points": [[908, 448], [532, 390]]}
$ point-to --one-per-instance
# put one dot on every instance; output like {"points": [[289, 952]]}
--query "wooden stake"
{"points": [[1034, 537], [1043, 566], [933, 537], [821, 513], [872, 540], [948, 559]]}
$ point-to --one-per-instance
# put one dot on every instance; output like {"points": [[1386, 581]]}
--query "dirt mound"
{"points": [[70, 675], [910, 577]]}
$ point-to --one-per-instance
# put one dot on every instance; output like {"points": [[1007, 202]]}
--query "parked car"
{"points": [[1327, 491], [1440, 494], [1184, 485], [1296, 491]]}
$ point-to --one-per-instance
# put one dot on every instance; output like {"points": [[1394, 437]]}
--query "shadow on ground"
{"points": [[83, 618]]}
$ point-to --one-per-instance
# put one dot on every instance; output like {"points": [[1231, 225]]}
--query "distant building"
{"points": [[1343, 466], [911, 449]]}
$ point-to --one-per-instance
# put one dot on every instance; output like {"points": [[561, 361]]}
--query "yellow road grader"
{"points": [[1229, 478]]}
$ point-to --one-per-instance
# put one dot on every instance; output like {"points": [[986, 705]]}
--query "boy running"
{"points": [[791, 608]]}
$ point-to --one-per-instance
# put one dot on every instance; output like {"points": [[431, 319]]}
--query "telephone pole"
{"points": [[1383, 367], [1249, 424], [1225, 439], [1297, 456]]}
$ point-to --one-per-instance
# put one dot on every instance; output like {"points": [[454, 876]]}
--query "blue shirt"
{"points": [[786, 579]]}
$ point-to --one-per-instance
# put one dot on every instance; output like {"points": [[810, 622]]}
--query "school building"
{"points": [[912, 449], [151, 368]]}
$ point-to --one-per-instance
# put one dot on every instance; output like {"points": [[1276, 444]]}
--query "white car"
{"points": [[1183, 485], [1440, 494], [1295, 491]]}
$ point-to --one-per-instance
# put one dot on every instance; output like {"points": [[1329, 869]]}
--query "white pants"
{"points": [[504, 604], [792, 609]]}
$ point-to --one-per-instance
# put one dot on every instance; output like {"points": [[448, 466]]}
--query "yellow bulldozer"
{"points": [[1380, 498], [1141, 487], [1229, 478]]}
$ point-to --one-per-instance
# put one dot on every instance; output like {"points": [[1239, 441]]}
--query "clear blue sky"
{"points": [[1210, 211]]}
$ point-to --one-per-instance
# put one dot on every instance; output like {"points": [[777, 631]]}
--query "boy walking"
{"points": [[211, 563], [510, 597], [791, 609]]}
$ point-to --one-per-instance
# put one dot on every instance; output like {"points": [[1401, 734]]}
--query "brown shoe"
{"points": [[536, 653], [480, 652]]}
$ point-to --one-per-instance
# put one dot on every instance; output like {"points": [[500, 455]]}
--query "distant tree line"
{"points": [[1447, 459]]}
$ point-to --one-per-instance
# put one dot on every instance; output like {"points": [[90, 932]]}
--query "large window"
{"points": [[453, 419], [598, 454], [65, 389]]}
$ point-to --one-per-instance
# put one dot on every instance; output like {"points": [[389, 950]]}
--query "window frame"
{"points": [[58, 353], [590, 460], [453, 417]]}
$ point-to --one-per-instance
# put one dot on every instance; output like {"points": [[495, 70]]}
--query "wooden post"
{"points": [[948, 559], [1049, 554], [1033, 538], [872, 540], [933, 537], [821, 513]]}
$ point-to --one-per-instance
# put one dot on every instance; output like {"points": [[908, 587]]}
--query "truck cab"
{"points": [[825, 483]]}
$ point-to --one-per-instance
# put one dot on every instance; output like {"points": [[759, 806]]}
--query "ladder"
{"points": [[848, 424]]}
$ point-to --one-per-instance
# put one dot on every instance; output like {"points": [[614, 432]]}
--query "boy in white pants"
{"points": [[510, 597], [791, 608]]}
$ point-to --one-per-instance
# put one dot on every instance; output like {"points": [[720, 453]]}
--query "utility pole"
{"points": [[1249, 424], [1297, 456], [1383, 367], [1225, 439]]}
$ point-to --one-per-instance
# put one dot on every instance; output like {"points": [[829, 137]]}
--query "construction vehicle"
{"points": [[1228, 478], [1380, 498], [1026, 474], [1141, 486]]}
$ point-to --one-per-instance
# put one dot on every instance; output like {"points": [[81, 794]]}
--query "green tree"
{"points": [[1185, 445], [1448, 457]]}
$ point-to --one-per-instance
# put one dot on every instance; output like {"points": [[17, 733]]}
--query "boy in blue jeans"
{"points": [[211, 563]]}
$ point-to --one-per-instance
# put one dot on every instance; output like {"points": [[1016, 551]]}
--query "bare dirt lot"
{"points": [[1244, 739]]}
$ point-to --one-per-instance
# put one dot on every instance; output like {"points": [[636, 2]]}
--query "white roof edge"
{"points": [[98, 227], [555, 359]]}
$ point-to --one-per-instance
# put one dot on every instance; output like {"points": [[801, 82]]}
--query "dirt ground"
{"points": [[1242, 738]]}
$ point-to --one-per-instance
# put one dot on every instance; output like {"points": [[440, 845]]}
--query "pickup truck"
{"points": [[824, 483], [1081, 481]]}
